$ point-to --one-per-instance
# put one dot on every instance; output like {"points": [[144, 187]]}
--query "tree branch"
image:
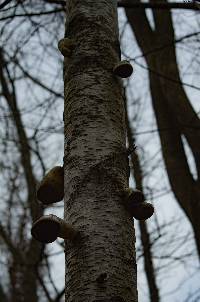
{"points": [[160, 5], [33, 14], [2, 5], [14, 251], [36, 81], [24, 149], [59, 296]]}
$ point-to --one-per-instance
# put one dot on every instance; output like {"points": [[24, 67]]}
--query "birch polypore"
{"points": [[66, 46], [95, 153], [133, 195], [140, 211], [136, 206], [49, 227], [51, 188], [123, 69]]}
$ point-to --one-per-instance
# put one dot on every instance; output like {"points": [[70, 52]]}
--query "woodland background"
{"points": [[164, 50]]}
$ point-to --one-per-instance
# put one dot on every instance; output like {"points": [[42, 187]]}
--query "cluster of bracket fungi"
{"points": [[51, 189], [49, 227], [123, 69]]}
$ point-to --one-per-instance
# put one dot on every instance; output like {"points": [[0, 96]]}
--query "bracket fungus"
{"points": [[136, 206], [123, 69], [134, 195], [49, 227], [66, 46], [51, 188]]}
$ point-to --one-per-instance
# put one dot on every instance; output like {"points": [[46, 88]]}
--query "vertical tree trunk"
{"points": [[145, 237], [101, 265]]}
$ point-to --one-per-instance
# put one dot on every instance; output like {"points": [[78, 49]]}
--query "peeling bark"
{"points": [[95, 144]]}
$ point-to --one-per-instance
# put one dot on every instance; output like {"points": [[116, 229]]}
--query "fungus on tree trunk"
{"points": [[136, 206], [49, 227], [51, 188], [123, 69], [66, 46]]}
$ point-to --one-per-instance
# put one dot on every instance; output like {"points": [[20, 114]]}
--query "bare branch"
{"points": [[160, 5], [7, 240], [5, 3], [59, 296], [32, 14], [36, 81]]}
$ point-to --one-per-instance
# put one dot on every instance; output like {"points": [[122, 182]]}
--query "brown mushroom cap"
{"points": [[51, 188], [135, 196], [142, 211], [45, 229], [65, 46], [123, 69]]}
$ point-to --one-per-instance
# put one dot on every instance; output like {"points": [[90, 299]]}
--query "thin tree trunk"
{"points": [[24, 270], [101, 266], [145, 237]]}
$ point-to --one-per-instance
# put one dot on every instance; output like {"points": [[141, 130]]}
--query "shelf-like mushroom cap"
{"points": [[66, 46], [51, 188], [123, 69], [141, 211], [46, 229], [134, 196]]}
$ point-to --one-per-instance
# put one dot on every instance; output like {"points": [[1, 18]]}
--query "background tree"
{"points": [[25, 264], [145, 237], [175, 116]]}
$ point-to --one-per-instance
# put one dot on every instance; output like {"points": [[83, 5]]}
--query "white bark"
{"points": [[95, 160]]}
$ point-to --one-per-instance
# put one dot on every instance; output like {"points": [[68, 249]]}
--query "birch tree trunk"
{"points": [[101, 265]]}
